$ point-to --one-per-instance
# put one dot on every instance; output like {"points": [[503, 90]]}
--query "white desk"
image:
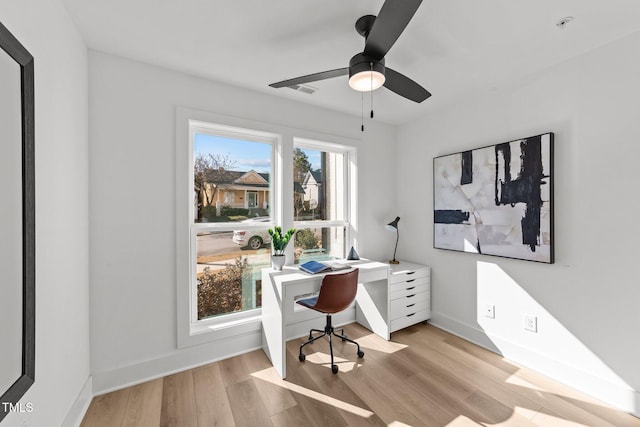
{"points": [[283, 319]]}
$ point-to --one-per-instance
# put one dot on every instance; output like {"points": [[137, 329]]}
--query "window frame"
{"points": [[243, 134], [190, 330], [349, 191], [243, 330]]}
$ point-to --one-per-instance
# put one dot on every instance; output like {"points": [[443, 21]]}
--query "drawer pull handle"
{"points": [[412, 280], [409, 315], [408, 289], [411, 296], [411, 272], [411, 305]]}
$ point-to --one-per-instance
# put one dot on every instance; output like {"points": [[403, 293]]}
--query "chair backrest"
{"points": [[337, 292]]}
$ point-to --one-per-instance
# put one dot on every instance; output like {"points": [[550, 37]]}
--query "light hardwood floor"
{"points": [[422, 377]]}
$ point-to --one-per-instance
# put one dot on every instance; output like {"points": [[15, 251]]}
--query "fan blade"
{"points": [[312, 77], [404, 86], [389, 24]]}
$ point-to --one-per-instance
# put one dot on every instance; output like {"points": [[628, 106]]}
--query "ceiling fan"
{"points": [[366, 70]]}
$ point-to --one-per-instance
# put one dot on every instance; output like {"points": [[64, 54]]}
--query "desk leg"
{"points": [[273, 339], [372, 307]]}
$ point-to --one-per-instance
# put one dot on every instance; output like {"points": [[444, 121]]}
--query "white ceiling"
{"points": [[454, 48]]}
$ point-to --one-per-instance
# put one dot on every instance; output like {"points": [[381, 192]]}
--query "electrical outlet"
{"points": [[490, 311], [530, 323]]}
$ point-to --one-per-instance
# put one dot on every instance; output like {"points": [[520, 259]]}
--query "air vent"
{"points": [[303, 88]]}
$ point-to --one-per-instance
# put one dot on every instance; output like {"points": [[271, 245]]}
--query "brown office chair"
{"points": [[336, 294]]}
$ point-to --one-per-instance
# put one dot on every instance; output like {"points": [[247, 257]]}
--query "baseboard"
{"points": [[617, 395], [181, 360], [80, 405], [463, 330]]}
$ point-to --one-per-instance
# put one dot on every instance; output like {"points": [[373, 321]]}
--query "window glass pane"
{"points": [[229, 271], [318, 185], [231, 179], [319, 243]]}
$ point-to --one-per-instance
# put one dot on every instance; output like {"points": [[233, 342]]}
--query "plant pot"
{"points": [[277, 261]]}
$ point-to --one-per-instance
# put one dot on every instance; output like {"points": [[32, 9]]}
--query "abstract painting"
{"points": [[496, 200]]}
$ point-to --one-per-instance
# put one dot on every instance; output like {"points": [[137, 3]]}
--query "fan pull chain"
{"points": [[362, 112], [371, 64]]}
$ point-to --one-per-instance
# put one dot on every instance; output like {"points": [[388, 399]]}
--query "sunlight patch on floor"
{"points": [[399, 424], [374, 342], [324, 359], [270, 375], [515, 380], [462, 421], [540, 418]]}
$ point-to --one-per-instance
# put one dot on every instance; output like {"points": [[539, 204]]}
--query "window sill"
{"points": [[201, 332]]}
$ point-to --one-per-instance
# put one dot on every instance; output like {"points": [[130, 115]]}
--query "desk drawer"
{"points": [[411, 286], [410, 304], [410, 319], [404, 275]]}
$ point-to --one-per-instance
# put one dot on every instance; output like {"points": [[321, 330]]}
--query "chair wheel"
{"points": [[361, 354], [301, 357], [343, 339], [310, 337], [334, 369]]}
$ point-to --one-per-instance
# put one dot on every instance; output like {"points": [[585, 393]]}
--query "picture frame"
{"points": [[497, 200]]}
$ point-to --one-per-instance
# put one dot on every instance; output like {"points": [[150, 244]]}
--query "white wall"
{"points": [[62, 247], [587, 302], [132, 206]]}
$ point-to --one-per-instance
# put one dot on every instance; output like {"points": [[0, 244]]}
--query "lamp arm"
{"points": [[396, 248]]}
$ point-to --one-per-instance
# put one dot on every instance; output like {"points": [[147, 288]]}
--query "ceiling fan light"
{"points": [[366, 81]]}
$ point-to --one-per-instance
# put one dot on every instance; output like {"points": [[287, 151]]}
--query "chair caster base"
{"points": [[301, 357], [361, 354], [334, 369]]}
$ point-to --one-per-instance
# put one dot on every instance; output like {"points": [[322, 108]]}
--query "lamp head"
{"points": [[393, 225]]}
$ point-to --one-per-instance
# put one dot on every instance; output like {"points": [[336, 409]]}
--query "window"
{"points": [[320, 196], [229, 191], [232, 186]]}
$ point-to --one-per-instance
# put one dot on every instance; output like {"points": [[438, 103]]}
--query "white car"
{"points": [[254, 239]]}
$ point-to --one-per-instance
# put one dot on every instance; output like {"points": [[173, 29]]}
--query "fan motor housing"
{"points": [[361, 62]]}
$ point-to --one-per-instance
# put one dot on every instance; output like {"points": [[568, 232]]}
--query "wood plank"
{"points": [[145, 405], [246, 405], [212, 405], [290, 418], [233, 371], [178, 401], [486, 410], [275, 397], [107, 410]]}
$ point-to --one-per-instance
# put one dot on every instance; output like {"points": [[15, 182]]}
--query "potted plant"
{"points": [[279, 242]]}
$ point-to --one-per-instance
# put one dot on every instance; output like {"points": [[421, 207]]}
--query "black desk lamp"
{"points": [[393, 226]]}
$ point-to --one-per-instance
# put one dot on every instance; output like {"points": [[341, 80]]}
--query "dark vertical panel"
{"points": [[10, 45], [525, 188], [467, 167]]}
